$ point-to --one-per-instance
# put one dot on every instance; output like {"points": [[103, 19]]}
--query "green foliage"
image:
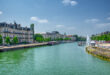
{"points": [[105, 37], [76, 36], [59, 39], [15, 40], [1, 40], [81, 38], [32, 27], [38, 37], [47, 39], [7, 40], [67, 38]]}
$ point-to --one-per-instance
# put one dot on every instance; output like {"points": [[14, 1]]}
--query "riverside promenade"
{"points": [[14, 47], [101, 52]]}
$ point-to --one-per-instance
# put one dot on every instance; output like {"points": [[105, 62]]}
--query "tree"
{"points": [[38, 37], [1, 40], [32, 28], [81, 38], [15, 40], [59, 39], [67, 38], [105, 37], [47, 39], [7, 40], [76, 36]]}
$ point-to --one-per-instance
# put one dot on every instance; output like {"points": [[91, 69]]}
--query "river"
{"points": [[62, 59]]}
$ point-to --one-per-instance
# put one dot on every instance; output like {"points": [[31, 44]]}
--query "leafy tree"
{"points": [[7, 40], [105, 37], [38, 37], [15, 40], [81, 38], [32, 27], [1, 40], [67, 38], [47, 39], [59, 39], [76, 36]]}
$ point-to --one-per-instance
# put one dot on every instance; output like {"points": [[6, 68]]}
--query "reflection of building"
{"points": [[24, 34], [53, 35]]}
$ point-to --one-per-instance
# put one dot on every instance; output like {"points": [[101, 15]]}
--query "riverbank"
{"points": [[102, 53], [15, 47]]}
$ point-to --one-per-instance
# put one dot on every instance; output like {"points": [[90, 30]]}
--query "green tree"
{"points": [[67, 38], [1, 40], [38, 37], [7, 40], [76, 36], [15, 40], [105, 37], [47, 39], [59, 39], [32, 28]]}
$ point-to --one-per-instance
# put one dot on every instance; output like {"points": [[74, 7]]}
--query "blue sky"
{"points": [[71, 16]]}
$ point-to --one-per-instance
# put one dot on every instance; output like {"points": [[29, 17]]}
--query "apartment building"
{"points": [[24, 34], [53, 35]]}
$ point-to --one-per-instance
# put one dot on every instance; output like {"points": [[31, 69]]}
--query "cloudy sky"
{"points": [[71, 16]]}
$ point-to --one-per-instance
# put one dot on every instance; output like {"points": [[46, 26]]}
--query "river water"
{"points": [[62, 59]]}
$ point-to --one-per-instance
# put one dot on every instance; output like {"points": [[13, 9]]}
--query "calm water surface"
{"points": [[63, 59]]}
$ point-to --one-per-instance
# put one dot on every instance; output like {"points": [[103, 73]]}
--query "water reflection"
{"points": [[13, 56]]}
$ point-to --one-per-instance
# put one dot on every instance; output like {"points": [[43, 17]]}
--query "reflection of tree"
{"points": [[13, 56]]}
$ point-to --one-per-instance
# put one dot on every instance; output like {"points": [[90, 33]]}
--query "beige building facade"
{"points": [[24, 34]]}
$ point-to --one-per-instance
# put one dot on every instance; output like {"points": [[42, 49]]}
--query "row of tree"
{"points": [[105, 37], [79, 38], [8, 41], [40, 38]]}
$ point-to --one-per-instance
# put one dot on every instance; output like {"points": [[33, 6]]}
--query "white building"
{"points": [[53, 35], [24, 34]]}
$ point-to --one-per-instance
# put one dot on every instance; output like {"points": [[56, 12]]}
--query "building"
{"points": [[53, 35], [71, 37], [24, 34]]}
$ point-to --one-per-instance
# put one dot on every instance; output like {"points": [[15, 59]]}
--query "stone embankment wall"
{"points": [[100, 52]]}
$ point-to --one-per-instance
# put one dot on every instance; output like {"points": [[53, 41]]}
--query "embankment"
{"points": [[15, 47], [102, 53]]}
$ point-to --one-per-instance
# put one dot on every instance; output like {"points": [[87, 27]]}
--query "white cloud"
{"points": [[59, 26], [103, 24], [70, 2], [39, 20], [34, 18], [91, 20], [1, 12], [108, 18], [73, 3]]}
